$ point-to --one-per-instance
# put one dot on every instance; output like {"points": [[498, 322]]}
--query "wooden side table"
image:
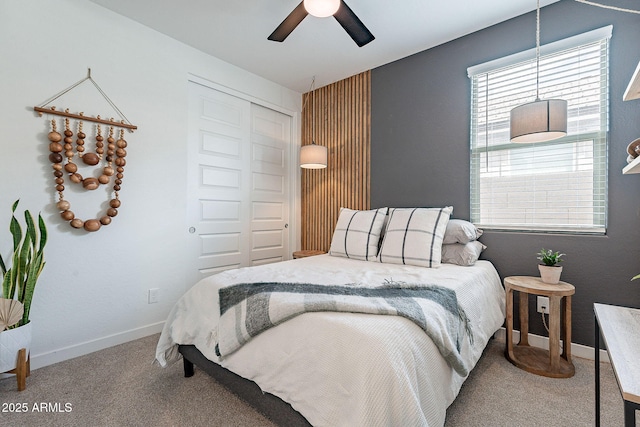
{"points": [[306, 253], [620, 328], [532, 359]]}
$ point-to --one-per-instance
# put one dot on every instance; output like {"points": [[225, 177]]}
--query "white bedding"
{"points": [[345, 369]]}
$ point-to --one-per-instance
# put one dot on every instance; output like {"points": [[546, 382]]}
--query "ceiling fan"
{"points": [[323, 8]]}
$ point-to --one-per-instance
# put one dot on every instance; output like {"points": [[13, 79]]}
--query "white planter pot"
{"points": [[11, 341], [549, 274]]}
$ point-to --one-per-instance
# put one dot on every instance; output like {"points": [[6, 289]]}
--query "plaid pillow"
{"points": [[357, 234], [414, 236]]}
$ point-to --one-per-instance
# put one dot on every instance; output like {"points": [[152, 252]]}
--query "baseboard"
{"points": [[76, 350], [577, 350]]}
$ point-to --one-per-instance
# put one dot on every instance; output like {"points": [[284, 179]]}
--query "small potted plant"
{"points": [[549, 269], [19, 277]]}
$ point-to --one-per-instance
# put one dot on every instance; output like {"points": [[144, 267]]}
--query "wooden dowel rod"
{"points": [[87, 118]]}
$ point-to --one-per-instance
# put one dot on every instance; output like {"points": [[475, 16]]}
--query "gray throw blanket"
{"points": [[248, 309]]}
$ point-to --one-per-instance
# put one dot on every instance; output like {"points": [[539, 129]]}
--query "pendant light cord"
{"points": [[538, 51], [486, 121], [313, 108], [604, 6], [544, 322]]}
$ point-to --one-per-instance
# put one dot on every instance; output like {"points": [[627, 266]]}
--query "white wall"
{"points": [[93, 291]]}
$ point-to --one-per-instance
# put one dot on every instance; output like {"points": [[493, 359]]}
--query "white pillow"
{"points": [[357, 234], [460, 231], [459, 254], [414, 236]]}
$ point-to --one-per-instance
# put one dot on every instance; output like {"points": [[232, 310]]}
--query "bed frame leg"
{"points": [[188, 367]]}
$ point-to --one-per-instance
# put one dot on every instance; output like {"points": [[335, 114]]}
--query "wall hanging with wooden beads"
{"points": [[67, 151]]}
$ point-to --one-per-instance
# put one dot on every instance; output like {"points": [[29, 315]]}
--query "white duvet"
{"points": [[345, 369]]}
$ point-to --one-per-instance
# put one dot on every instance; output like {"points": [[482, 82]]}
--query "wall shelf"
{"points": [[633, 167], [633, 90]]}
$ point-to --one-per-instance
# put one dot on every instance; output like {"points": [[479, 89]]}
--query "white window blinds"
{"points": [[559, 185]]}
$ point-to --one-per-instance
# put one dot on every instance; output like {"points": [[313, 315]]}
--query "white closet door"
{"points": [[270, 141], [238, 205]]}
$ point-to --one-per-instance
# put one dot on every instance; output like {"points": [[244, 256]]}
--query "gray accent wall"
{"points": [[420, 152]]}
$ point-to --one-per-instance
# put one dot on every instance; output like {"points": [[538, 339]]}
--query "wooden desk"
{"points": [[620, 328], [532, 359]]}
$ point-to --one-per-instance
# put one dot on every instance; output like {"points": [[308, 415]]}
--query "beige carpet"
{"points": [[120, 387], [499, 394]]}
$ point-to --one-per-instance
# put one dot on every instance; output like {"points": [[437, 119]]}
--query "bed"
{"points": [[345, 368]]}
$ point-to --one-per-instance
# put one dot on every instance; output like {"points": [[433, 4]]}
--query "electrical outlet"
{"points": [[543, 305], [153, 295]]}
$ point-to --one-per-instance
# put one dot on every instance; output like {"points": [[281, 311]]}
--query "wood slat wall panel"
{"points": [[342, 124]]}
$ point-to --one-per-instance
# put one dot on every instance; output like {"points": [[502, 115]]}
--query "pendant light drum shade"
{"points": [[541, 120], [313, 156], [321, 8]]}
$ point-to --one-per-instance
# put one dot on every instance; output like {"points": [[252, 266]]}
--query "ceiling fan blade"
{"points": [[353, 25], [289, 24]]}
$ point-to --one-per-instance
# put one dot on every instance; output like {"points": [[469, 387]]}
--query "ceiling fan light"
{"points": [[322, 8], [538, 121]]}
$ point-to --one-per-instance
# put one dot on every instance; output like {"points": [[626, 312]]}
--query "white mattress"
{"points": [[345, 369]]}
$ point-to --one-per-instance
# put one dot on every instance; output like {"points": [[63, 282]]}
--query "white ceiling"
{"points": [[236, 31]]}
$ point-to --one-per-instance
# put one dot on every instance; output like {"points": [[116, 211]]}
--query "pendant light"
{"points": [[313, 156], [321, 8], [543, 119]]}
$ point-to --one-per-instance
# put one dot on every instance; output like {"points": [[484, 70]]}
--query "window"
{"points": [[558, 185]]}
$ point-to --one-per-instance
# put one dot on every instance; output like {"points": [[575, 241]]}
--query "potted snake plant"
{"points": [[20, 274], [549, 269]]}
